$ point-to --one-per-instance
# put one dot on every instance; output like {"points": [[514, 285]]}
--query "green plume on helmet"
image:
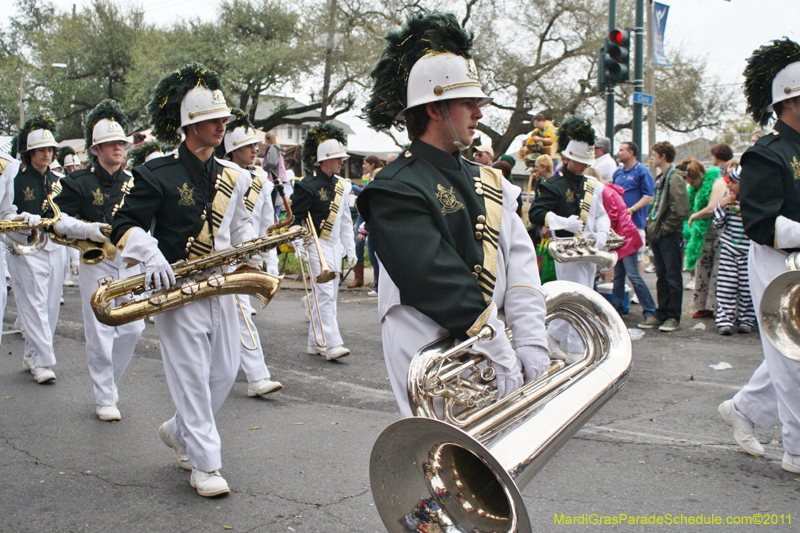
{"points": [[420, 35], [39, 122], [315, 136], [109, 109], [762, 67], [164, 110], [63, 152], [241, 120], [137, 155], [575, 128]]}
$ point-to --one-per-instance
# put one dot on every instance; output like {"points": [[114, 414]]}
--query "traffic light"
{"points": [[616, 60]]}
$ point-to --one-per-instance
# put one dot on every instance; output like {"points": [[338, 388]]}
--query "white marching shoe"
{"points": [[208, 484], [315, 350], [43, 374], [169, 438], [262, 387], [27, 363], [791, 463], [742, 428], [336, 352], [109, 413]]}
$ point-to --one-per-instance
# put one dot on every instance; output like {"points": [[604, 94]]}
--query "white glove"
{"points": [[93, 232], [571, 223], [273, 269], [787, 233], [600, 239], [300, 251], [534, 361], [499, 351], [352, 261], [32, 220], [507, 381], [157, 269], [256, 261]]}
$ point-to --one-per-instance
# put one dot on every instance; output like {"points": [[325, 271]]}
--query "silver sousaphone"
{"points": [[467, 474]]}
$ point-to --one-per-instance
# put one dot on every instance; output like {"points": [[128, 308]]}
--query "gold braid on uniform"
{"points": [[203, 243], [327, 224], [491, 184]]}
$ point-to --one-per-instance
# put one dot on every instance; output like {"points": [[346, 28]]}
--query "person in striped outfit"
{"points": [[734, 304]]}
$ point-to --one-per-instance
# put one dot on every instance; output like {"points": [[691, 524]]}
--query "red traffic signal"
{"points": [[620, 37]]}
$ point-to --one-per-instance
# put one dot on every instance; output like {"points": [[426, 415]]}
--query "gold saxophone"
{"points": [[37, 238], [92, 252], [188, 287]]}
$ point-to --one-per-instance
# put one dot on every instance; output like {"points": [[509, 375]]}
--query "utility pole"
{"points": [[638, 73], [651, 79], [326, 84], [610, 89]]}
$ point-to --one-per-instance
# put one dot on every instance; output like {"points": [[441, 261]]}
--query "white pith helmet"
{"points": [[71, 160], [330, 149], [55, 165], [240, 137], [579, 151], [442, 76], [41, 139], [786, 84], [108, 130], [201, 104]]}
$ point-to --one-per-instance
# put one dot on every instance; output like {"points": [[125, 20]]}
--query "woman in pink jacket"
{"points": [[627, 264]]}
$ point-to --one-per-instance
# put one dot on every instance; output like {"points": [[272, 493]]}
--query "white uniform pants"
{"points": [[38, 280], [773, 391], [108, 349], [200, 350], [327, 293], [252, 360], [3, 290], [579, 272]]}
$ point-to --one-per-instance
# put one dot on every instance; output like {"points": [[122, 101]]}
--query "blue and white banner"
{"points": [[660, 12]]}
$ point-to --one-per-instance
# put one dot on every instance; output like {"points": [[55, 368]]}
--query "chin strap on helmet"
{"points": [[446, 112]]}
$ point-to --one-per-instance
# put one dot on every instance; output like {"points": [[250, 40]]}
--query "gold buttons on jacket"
{"points": [[479, 227], [481, 219], [203, 216], [478, 235], [478, 269]]}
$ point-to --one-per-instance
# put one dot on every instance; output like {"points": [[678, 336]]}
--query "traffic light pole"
{"points": [[612, 24], [638, 74]]}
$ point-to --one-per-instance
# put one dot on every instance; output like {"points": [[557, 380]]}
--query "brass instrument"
{"points": [[575, 249], [467, 474], [779, 308], [325, 276], [188, 287], [92, 252], [36, 240], [249, 329]]}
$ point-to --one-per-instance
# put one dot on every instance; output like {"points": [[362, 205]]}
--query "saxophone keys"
{"points": [[190, 289], [157, 300], [216, 281]]}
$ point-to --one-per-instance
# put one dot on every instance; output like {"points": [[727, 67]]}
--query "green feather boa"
{"points": [[698, 199]]}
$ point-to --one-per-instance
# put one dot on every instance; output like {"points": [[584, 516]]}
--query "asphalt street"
{"points": [[298, 460]]}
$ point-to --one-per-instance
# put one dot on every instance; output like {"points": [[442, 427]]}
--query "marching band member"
{"points": [[192, 204], [452, 251], [87, 199], [9, 167], [241, 147], [771, 216], [570, 205], [323, 194], [37, 278]]}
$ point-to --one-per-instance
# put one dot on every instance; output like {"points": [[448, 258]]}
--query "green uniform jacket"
{"points": [[314, 194], [163, 190], [770, 186], [92, 195], [560, 194], [426, 223], [31, 190]]}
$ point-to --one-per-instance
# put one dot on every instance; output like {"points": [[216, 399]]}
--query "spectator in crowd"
{"points": [[371, 165], [604, 163], [627, 263], [390, 158], [503, 167], [138, 138], [705, 189], [721, 154], [484, 155], [756, 136], [546, 127], [734, 303], [664, 233], [637, 182]]}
